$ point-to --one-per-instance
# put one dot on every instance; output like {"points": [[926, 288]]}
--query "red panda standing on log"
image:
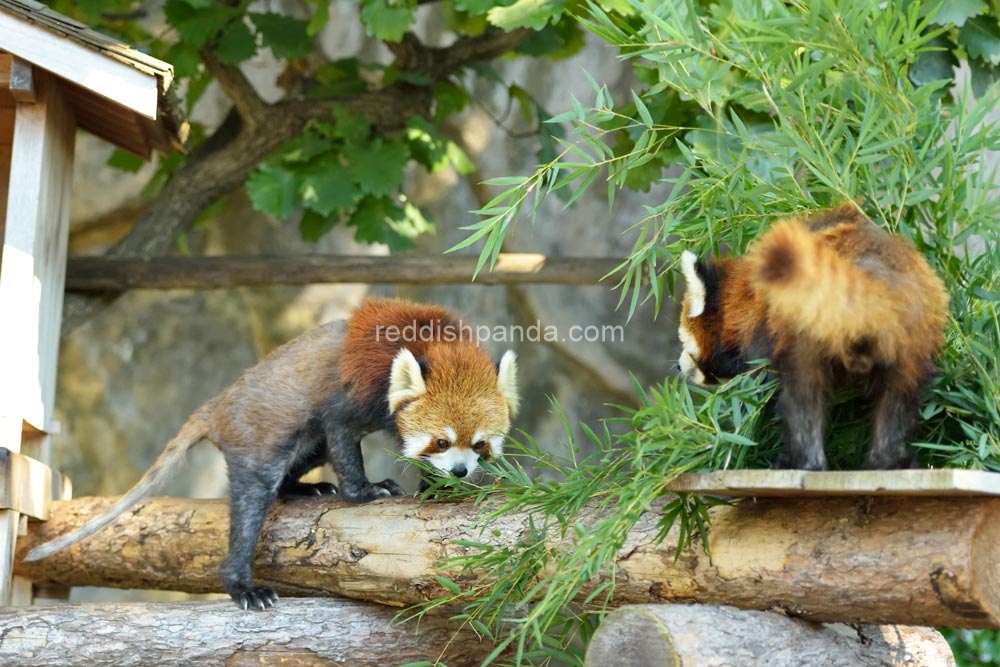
{"points": [[827, 299], [410, 369]]}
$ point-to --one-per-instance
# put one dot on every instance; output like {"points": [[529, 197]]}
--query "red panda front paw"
{"points": [[257, 598], [363, 493], [387, 488]]}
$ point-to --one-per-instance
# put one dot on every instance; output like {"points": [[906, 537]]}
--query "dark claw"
{"points": [[257, 598], [300, 489], [391, 488]]}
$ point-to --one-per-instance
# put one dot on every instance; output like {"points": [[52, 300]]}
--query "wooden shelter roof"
{"points": [[115, 91]]}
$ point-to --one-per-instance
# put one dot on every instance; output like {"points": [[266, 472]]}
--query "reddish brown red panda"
{"points": [[825, 298], [413, 370]]}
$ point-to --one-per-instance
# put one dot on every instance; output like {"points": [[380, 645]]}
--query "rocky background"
{"points": [[129, 377]]}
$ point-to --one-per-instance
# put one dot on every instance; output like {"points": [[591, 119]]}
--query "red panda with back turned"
{"points": [[827, 299], [413, 370]]}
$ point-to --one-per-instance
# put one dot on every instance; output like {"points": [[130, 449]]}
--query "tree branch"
{"points": [[248, 104], [252, 132]]}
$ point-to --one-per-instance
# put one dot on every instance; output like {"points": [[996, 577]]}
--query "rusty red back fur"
{"points": [[369, 349]]}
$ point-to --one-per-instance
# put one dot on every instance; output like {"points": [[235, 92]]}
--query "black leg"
{"points": [[251, 496], [895, 416], [309, 452], [346, 459], [802, 402]]}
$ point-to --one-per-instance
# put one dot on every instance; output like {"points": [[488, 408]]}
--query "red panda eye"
{"points": [[442, 444], [479, 446]]}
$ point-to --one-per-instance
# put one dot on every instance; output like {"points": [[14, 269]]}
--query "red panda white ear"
{"points": [[695, 296], [406, 380], [507, 380]]}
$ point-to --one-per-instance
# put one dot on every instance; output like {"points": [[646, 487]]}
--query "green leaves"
{"points": [[388, 20], [981, 38], [287, 37], [534, 14]]}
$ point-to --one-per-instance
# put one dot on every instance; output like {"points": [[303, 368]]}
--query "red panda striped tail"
{"points": [[815, 291]]}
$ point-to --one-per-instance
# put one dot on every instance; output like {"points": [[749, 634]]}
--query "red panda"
{"points": [[413, 370], [825, 298]]}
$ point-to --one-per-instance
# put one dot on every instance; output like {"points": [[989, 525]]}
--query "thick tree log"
{"points": [[123, 273], [911, 561], [299, 633], [675, 635]]}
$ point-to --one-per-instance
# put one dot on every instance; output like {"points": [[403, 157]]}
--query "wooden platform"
{"points": [[763, 483]]}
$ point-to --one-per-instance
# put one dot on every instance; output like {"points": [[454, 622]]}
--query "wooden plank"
{"points": [[112, 80], [763, 483], [123, 273]]}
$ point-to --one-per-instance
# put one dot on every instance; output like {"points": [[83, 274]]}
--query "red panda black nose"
{"points": [[459, 471]]}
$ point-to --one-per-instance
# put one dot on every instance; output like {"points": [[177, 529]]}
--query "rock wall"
{"points": [[129, 377]]}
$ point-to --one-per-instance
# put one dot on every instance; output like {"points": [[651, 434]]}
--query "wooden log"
{"points": [[670, 635], [911, 561], [115, 274], [299, 633]]}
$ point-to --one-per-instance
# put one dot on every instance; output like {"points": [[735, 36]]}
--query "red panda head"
{"points": [[705, 356], [453, 407]]}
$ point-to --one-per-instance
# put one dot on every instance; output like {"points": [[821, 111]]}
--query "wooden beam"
{"points": [[910, 561], [299, 633], [673, 635], [88, 274]]}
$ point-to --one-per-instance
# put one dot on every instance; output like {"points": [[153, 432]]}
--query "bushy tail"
{"points": [[817, 291], [193, 431]]}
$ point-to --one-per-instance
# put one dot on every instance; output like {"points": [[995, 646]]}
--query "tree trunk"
{"points": [[298, 633], [912, 561], [668, 635]]}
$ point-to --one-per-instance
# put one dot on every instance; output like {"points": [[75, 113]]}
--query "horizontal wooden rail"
{"points": [[116, 274]]}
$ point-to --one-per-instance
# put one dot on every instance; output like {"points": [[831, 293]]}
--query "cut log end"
{"points": [[675, 635]]}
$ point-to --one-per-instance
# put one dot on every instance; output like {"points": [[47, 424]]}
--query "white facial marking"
{"points": [[689, 353], [450, 432], [695, 296], [495, 441], [449, 459], [415, 444]]}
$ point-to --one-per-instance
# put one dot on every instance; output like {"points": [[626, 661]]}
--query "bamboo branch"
{"points": [[912, 561]]}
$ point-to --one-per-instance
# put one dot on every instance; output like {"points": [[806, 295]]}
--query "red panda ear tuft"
{"points": [[406, 380], [507, 380], [696, 292]]}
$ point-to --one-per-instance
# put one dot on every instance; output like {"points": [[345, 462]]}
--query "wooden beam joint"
{"points": [[17, 82]]}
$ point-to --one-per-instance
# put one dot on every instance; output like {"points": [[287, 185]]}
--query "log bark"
{"points": [[299, 633], [885, 560], [673, 635], [89, 274]]}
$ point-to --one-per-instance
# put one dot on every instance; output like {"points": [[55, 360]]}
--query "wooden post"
{"points": [[32, 272]]}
